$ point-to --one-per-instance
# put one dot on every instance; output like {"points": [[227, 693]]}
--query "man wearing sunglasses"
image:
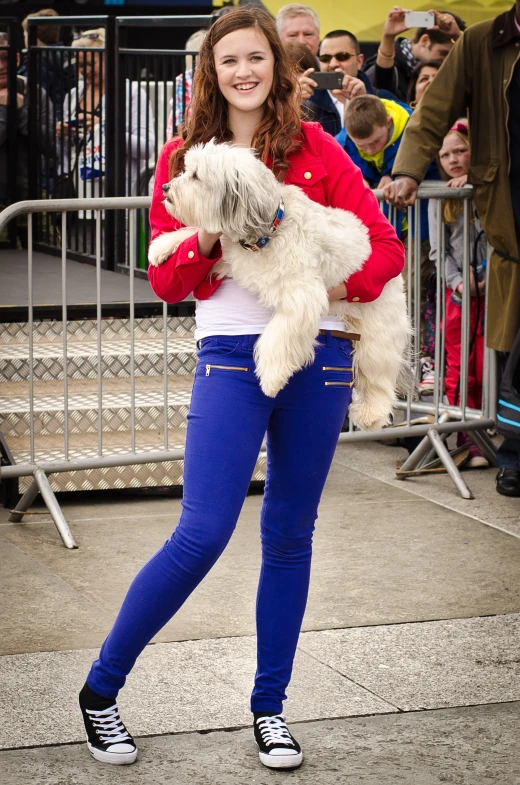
{"points": [[340, 51]]}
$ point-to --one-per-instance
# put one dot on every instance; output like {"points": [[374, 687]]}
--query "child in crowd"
{"points": [[373, 131], [454, 158], [372, 134]]}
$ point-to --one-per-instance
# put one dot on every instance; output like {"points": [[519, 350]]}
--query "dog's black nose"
{"points": [[165, 188]]}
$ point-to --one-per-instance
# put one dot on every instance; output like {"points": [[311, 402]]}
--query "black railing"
{"points": [[13, 126], [106, 110]]}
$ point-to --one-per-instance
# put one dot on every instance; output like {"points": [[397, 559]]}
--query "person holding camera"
{"points": [[298, 23], [392, 67]]}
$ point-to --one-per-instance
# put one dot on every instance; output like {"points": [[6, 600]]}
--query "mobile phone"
{"points": [[327, 80], [419, 19]]}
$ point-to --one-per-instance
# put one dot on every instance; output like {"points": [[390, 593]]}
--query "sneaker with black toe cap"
{"points": [[277, 747], [107, 738]]}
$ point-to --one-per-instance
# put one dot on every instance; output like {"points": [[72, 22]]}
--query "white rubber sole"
{"points": [[281, 761], [115, 758]]}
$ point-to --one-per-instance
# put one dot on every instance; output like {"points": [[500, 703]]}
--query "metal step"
{"points": [[49, 410], [50, 331], [118, 443], [82, 358]]}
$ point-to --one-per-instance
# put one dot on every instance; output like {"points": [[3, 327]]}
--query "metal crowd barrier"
{"points": [[444, 419]]}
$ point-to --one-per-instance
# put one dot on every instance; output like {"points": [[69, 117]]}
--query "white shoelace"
{"points": [[112, 729], [274, 730]]}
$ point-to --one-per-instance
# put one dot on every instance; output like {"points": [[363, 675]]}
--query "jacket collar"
{"points": [[504, 29]]}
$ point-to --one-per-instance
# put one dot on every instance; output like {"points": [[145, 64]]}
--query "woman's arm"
{"points": [[344, 188], [191, 262]]}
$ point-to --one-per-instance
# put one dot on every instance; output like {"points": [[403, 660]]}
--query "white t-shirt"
{"points": [[232, 310], [340, 107]]}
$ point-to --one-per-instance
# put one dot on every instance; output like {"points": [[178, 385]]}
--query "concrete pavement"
{"points": [[407, 669]]}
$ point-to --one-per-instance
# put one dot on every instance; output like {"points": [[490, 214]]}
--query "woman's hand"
{"points": [[206, 241], [458, 182], [307, 85], [338, 292]]}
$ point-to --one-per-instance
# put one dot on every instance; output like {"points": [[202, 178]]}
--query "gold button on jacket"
{"points": [[355, 299], [307, 175], [190, 254]]}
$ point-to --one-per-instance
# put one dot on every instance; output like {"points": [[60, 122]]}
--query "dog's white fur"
{"points": [[226, 189]]}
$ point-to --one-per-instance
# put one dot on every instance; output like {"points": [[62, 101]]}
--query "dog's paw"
{"points": [[161, 249], [368, 418], [271, 387]]}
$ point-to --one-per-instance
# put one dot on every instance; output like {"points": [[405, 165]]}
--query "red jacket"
{"points": [[334, 181]]}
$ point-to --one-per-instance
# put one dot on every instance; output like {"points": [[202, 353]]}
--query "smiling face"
{"points": [[244, 64], [454, 155]]}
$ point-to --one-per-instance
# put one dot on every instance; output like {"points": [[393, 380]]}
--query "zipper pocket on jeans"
{"points": [[338, 384], [336, 368], [224, 368]]}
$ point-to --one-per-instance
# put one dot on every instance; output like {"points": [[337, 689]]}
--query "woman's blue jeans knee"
{"points": [[229, 416]]}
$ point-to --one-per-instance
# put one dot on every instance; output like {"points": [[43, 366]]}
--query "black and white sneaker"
{"points": [[107, 738], [277, 748]]}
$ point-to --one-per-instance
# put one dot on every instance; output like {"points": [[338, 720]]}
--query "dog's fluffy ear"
{"points": [[166, 244], [249, 201]]}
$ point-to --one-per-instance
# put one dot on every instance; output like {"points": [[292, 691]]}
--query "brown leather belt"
{"points": [[341, 334]]}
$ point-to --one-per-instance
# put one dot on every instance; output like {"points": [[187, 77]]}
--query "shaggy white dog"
{"points": [[226, 189]]}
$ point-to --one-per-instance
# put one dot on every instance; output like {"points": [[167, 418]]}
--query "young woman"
{"points": [[245, 92], [454, 158]]}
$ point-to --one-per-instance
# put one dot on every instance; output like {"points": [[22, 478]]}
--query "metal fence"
{"points": [[98, 116], [14, 119], [443, 418]]}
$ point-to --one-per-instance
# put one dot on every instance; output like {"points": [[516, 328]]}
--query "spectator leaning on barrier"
{"points": [[481, 76], [373, 131], [392, 67], [56, 74], [298, 23], [454, 158]]}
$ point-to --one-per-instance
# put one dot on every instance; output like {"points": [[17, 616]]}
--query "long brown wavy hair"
{"points": [[279, 132]]}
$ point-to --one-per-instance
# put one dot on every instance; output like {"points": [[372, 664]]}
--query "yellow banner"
{"points": [[366, 21]]}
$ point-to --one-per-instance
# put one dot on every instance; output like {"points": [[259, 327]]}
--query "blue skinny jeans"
{"points": [[229, 416]]}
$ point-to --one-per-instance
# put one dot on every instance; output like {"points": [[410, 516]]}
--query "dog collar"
{"points": [[262, 242]]}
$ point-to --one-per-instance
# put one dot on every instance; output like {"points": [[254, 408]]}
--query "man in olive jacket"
{"points": [[481, 78]]}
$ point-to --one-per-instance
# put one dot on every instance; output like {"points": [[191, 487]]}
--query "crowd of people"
{"points": [[391, 115], [442, 104]]}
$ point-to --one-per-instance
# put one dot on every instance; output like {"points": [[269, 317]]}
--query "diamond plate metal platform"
{"points": [[83, 398]]}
